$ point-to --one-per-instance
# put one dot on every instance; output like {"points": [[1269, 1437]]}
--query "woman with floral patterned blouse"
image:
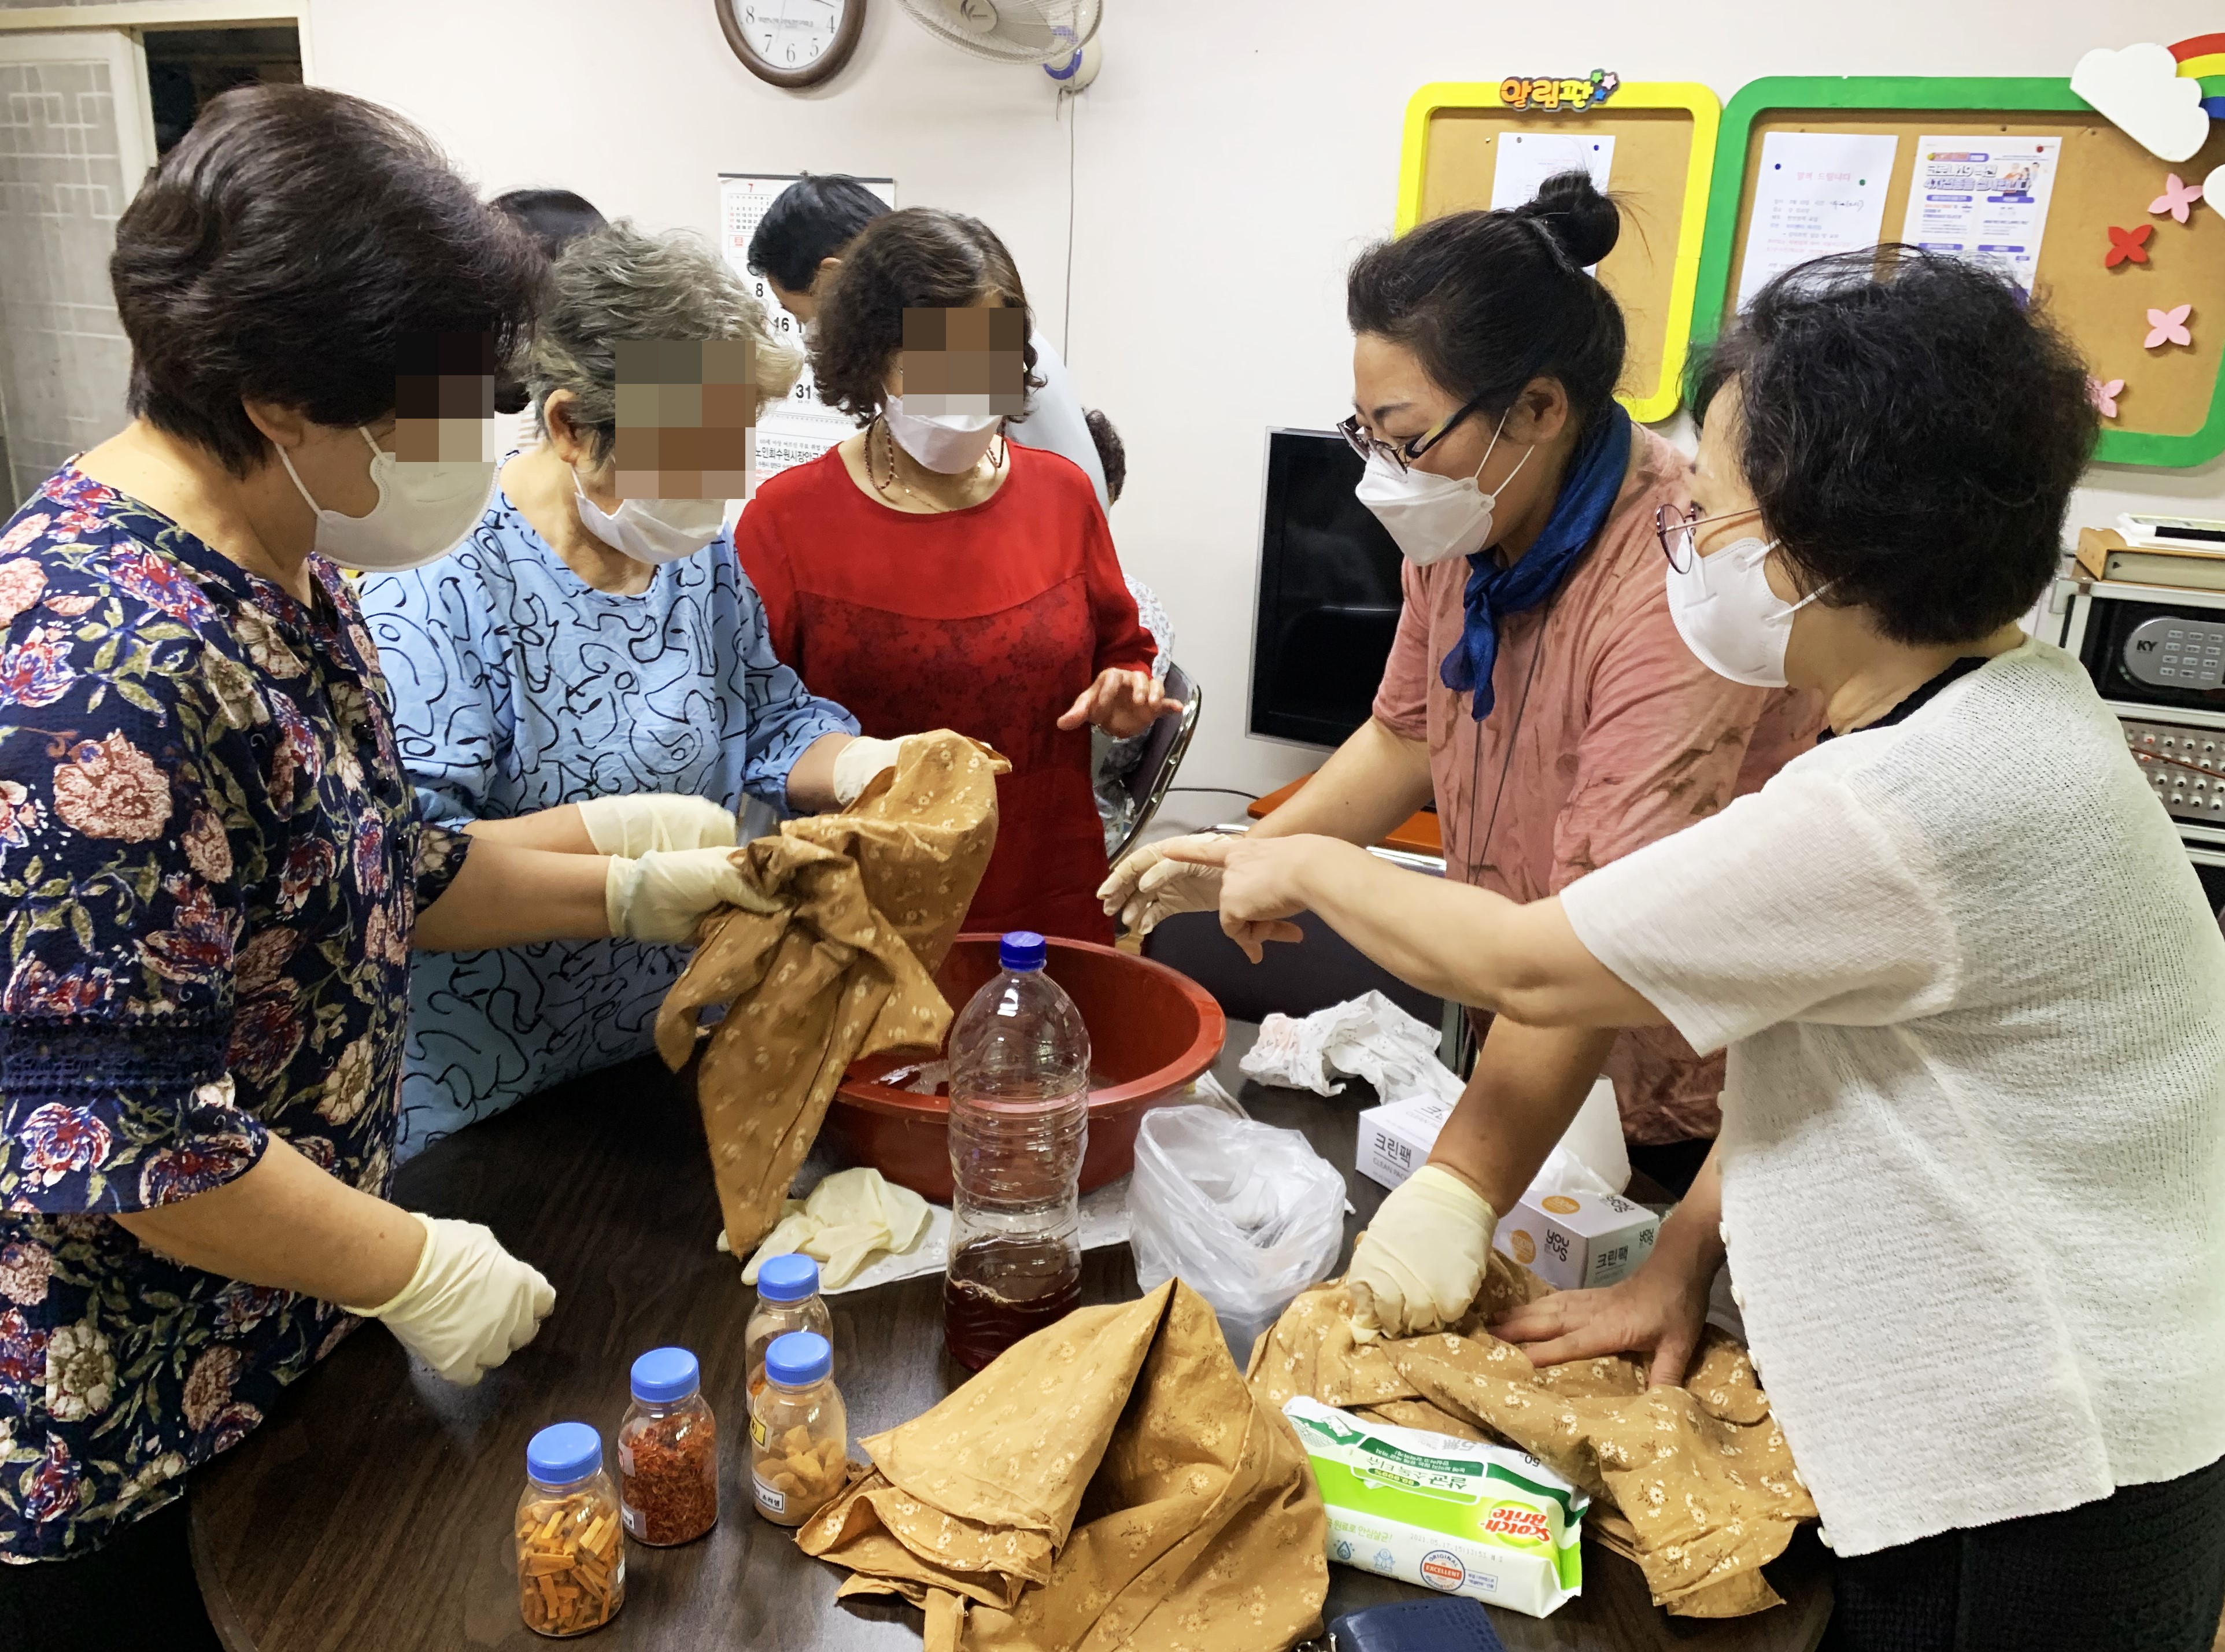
{"points": [[211, 865]]}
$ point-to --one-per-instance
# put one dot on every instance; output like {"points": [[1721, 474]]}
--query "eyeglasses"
{"points": [[1403, 453], [1673, 527]]}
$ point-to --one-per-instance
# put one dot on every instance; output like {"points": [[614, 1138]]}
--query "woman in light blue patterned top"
{"points": [[541, 664]]}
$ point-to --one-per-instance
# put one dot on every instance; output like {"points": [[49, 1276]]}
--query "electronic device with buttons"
{"points": [[2156, 653]]}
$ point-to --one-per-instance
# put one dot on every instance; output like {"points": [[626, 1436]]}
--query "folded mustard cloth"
{"points": [[1699, 1476], [1106, 1483], [860, 908]]}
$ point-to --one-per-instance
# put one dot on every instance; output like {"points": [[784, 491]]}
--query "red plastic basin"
{"points": [[1151, 1031]]}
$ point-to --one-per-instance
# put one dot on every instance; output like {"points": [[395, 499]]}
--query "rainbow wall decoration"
{"points": [[2202, 58]]}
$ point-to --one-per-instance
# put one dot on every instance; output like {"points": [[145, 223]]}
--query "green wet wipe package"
{"points": [[1467, 1518]]}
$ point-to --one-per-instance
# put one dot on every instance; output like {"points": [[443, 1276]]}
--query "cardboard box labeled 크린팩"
{"points": [[1579, 1241]]}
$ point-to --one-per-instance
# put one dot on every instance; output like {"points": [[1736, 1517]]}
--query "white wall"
{"points": [[1231, 159]]}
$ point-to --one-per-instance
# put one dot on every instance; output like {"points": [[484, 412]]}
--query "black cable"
{"points": [[1225, 791], [1066, 313]]}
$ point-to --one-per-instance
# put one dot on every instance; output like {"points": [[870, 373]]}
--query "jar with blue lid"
{"points": [[799, 1432], [571, 1550], [788, 1300], [668, 1450]]}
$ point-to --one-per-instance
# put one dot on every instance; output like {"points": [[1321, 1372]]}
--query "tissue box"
{"points": [[1395, 1140], [1578, 1241]]}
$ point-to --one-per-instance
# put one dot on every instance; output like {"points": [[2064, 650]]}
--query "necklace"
{"points": [[995, 457]]}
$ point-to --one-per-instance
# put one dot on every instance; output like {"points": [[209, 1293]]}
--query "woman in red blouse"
{"points": [[927, 573]]}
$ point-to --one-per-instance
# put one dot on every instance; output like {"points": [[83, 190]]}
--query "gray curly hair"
{"points": [[617, 282]]}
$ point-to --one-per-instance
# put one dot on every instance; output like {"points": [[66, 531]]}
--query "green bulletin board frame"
{"points": [[2027, 94]]}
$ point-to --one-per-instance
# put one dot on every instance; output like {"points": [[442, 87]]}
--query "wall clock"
{"points": [[792, 43]]}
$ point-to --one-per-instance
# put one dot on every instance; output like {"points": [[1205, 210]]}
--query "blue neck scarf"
{"points": [[1587, 493]]}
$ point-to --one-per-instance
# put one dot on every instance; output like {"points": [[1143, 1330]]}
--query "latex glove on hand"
{"points": [[858, 764], [632, 826], [1422, 1261], [665, 893], [1147, 886], [469, 1305]]}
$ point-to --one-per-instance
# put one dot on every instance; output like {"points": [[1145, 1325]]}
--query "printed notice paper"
{"points": [[1527, 159], [1983, 199], [1816, 192], [797, 430]]}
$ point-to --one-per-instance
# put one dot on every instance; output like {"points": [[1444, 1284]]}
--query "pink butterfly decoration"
{"points": [[2169, 326], [2104, 397], [2176, 198]]}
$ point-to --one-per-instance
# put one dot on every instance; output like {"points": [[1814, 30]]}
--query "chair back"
{"points": [[1164, 748]]}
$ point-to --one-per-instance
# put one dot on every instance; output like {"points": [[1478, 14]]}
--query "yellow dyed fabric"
{"points": [[1107, 1484], [863, 906], [1697, 1480]]}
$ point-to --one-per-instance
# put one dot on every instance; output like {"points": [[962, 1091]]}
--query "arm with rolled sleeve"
{"points": [[448, 681], [1402, 698]]}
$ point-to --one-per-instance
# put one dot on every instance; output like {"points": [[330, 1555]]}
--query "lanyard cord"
{"points": [[1473, 861]]}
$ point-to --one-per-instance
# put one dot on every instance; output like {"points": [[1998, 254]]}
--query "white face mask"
{"points": [[653, 530], [424, 509], [950, 443], [1432, 518], [1729, 616]]}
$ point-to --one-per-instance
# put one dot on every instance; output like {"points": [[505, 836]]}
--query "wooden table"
{"points": [[371, 1512]]}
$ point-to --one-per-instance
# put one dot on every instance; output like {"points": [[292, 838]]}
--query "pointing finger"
{"points": [[1211, 853]]}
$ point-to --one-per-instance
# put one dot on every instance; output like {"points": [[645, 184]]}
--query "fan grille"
{"points": [[1023, 31]]}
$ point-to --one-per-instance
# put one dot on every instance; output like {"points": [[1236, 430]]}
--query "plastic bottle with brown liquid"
{"points": [[1019, 1125]]}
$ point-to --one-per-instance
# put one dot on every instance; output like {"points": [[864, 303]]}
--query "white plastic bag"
{"points": [[1367, 1037], [1246, 1214]]}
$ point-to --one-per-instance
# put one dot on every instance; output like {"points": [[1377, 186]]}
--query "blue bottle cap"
{"points": [[1022, 949], [789, 1279], [798, 1358], [563, 1453], [663, 1374]]}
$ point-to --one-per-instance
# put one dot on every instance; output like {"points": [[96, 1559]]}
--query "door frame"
{"points": [[135, 17]]}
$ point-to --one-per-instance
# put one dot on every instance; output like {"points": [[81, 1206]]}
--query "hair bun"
{"points": [[1584, 224]]}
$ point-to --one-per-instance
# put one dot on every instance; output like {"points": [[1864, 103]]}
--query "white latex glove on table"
{"points": [[1422, 1261], [632, 826], [857, 764], [849, 1218], [1147, 886], [469, 1305], [666, 893]]}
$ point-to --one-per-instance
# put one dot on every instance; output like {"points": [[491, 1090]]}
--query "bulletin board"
{"points": [[1665, 144], [2169, 411]]}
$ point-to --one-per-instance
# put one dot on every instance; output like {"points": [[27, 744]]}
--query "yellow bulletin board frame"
{"points": [[1647, 99]]}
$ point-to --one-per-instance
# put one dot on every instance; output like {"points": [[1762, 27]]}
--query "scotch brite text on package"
{"points": [[1459, 1515]]}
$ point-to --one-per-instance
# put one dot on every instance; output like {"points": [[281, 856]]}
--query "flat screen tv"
{"points": [[1328, 594]]}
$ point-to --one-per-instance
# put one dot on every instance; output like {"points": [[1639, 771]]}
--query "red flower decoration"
{"points": [[2127, 246]]}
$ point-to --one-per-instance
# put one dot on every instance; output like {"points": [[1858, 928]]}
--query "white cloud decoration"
{"points": [[2142, 90], [2213, 188]]}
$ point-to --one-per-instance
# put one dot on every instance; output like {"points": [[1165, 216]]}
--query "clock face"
{"points": [[791, 34]]}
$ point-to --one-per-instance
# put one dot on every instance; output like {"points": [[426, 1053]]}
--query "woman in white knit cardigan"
{"points": [[1971, 1179]]}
